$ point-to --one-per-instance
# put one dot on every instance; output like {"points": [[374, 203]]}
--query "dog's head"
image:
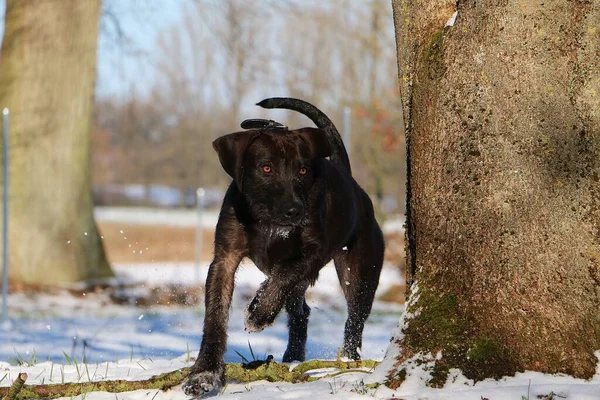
{"points": [[275, 170]]}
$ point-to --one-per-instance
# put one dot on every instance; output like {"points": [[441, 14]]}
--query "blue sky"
{"points": [[121, 64]]}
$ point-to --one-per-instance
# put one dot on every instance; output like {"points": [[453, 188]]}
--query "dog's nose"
{"points": [[292, 212]]}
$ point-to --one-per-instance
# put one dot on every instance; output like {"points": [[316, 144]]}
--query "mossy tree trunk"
{"points": [[47, 79], [502, 116]]}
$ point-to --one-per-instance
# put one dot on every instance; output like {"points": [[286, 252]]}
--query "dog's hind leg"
{"points": [[358, 268], [298, 312]]}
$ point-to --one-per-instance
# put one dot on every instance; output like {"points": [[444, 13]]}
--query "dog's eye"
{"points": [[303, 171], [266, 169]]}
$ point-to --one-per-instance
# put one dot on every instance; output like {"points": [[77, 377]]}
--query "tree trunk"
{"points": [[47, 77], [502, 114]]}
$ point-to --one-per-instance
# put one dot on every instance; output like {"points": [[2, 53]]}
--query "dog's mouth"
{"points": [[287, 225], [282, 231]]}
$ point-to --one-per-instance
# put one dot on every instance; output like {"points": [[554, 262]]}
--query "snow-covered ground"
{"points": [[156, 216], [47, 332], [50, 334], [48, 326]]}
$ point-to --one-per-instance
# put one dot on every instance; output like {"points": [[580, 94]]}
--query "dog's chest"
{"points": [[271, 248]]}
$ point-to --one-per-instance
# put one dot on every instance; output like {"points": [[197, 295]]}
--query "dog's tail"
{"points": [[339, 156]]}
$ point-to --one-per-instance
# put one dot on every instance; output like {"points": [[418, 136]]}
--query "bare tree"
{"points": [[224, 56], [47, 75]]}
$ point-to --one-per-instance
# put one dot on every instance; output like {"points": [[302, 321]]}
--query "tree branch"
{"points": [[16, 387], [271, 371]]}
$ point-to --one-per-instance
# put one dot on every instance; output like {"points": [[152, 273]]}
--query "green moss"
{"points": [[484, 349], [272, 372], [438, 322], [395, 381], [161, 382], [442, 327], [374, 385], [439, 374], [433, 55]]}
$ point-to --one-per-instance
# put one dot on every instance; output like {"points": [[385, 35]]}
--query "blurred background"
{"points": [[174, 75], [170, 77]]}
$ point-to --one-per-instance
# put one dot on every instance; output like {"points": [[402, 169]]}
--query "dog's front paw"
{"points": [[202, 383], [256, 318]]}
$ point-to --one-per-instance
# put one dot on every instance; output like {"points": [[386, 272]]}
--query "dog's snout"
{"points": [[292, 212]]}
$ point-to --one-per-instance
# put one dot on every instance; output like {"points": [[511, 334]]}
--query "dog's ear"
{"points": [[231, 149], [317, 140]]}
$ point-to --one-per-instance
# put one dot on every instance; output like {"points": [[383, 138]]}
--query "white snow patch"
{"points": [[50, 324], [393, 225], [94, 326], [156, 216], [452, 19], [393, 350]]}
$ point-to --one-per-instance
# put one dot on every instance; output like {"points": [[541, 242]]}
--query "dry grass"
{"points": [[153, 243], [156, 243]]}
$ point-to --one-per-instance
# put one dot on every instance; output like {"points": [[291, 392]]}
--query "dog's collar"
{"points": [[262, 124]]}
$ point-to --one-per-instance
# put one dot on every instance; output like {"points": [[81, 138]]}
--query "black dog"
{"points": [[290, 210]]}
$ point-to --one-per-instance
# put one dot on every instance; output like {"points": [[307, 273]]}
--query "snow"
{"points": [[46, 330], [49, 325], [156, 216], [47, 333], [281, 231], [529, 385], [452, 20], [188, 217]]}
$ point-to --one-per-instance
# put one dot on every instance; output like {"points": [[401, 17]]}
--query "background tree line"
{"points": [[225, 56]]}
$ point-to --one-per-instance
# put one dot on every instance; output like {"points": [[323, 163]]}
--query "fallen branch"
{"points": [[53, 391], [16, 387], [269, 371]]}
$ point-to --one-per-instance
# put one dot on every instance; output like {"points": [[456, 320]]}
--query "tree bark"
{"points": [[47, 79], [502, 117]]}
